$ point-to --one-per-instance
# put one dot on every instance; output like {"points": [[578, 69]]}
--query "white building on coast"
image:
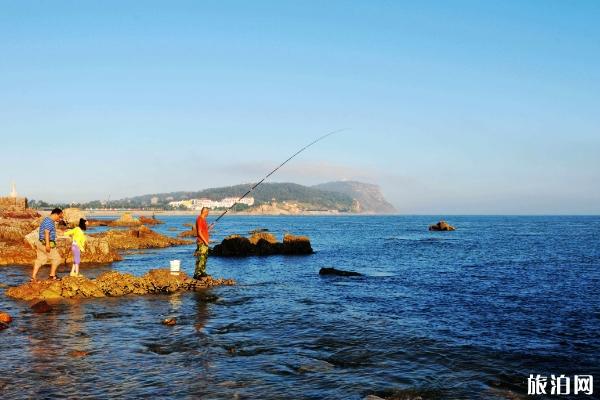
{"points": [[197, 204]]}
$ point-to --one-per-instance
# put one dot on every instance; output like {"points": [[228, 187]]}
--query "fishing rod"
{"points": [[272, 172]]}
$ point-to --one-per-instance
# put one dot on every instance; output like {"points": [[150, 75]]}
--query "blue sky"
{"points": [[452, 106]]}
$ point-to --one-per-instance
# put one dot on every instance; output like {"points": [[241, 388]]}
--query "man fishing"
{"points": [[202, 228], [202, 238]]}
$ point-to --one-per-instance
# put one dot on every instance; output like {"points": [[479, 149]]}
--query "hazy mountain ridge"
{"points": [[369, 196], [345, 196]]}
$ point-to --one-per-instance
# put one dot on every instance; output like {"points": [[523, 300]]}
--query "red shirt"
{"points": [[201, 228]]}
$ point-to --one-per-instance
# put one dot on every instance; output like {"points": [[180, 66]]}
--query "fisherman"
{"points": [[202, 237], [45, 247]]}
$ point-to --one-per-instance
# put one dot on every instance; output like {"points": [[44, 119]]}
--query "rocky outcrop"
{"points": [[13, 203], [189, 233], [138, 238], [293, 245], [97, 250], [14, 250], [338, 272], [125, 220], [150, 220], [442, 226], [72, 216], [261, 244], [112, 284]]}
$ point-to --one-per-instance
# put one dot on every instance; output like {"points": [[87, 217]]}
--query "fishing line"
{"points": [[272, 172]]}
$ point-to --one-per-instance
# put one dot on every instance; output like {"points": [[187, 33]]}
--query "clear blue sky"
{"points": [[453, 106]]}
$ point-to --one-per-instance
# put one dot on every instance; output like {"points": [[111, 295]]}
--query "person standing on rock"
{"points": [[78, 244], [45, 247], [202, 237]]}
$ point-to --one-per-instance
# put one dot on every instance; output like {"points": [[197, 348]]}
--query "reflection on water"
{"points": [[465, 314]]}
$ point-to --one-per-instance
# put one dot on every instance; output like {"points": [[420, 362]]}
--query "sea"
{"points": [[476, 313]]}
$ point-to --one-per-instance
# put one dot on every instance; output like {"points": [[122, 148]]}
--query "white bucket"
{"points": [[175, 265]]}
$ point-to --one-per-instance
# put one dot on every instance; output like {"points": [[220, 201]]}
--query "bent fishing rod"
{"points": [[272, 172]]}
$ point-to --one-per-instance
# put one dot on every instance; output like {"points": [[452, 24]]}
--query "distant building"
{"points": [[198, 204], [154, 200]]}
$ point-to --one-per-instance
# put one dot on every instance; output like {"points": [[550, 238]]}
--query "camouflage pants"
{"points": [[201, 257]]}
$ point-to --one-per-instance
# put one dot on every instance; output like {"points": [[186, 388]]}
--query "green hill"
{"points": [[310, 197]]}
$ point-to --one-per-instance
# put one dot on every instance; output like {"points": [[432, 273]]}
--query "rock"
{"points": [[111, 283], [49, 294], [295, 245], [5, 318], [189, 233], [3, 326], [126, 219], [338, 272], [72, 216], [441, 226], [258, 230], [169, 321], [41, 307], [138, 238], [268, 237], [233, 246], [261, 244], [78, 353], [14, 250], [150, 220]]}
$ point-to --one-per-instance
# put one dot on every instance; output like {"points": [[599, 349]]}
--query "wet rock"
{"points": [[41, 307], [441, 226], [138, 238], [338, 272], [189, 233], [150, 220], [78, 353], [169, 321], [233, 246], [296, 245], [3, 326], [261, 244], [258, 230], [5, 318], [114, 284]]}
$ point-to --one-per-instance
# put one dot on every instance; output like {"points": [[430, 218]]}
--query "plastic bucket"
{"points": [[175, 265]]}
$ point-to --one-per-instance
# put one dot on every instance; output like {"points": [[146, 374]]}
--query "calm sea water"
{"points": [[465, 314]]}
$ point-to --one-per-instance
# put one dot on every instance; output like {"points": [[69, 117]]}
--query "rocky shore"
{"points": [[101, 248], [112, 284], [138, 238]]}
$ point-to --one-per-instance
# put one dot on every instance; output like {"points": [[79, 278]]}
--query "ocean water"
{"points": [[468, 314]]}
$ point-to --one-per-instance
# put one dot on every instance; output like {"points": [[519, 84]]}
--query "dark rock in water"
{"points": [[261, 244], [41, 307], [442, 226], [169, 321], [338, 272], [3, 326], [258, 230], [295, 245]]}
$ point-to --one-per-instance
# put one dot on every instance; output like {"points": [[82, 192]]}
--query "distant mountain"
{"points": [[354, 197], [369, 196], [310, 198]]}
